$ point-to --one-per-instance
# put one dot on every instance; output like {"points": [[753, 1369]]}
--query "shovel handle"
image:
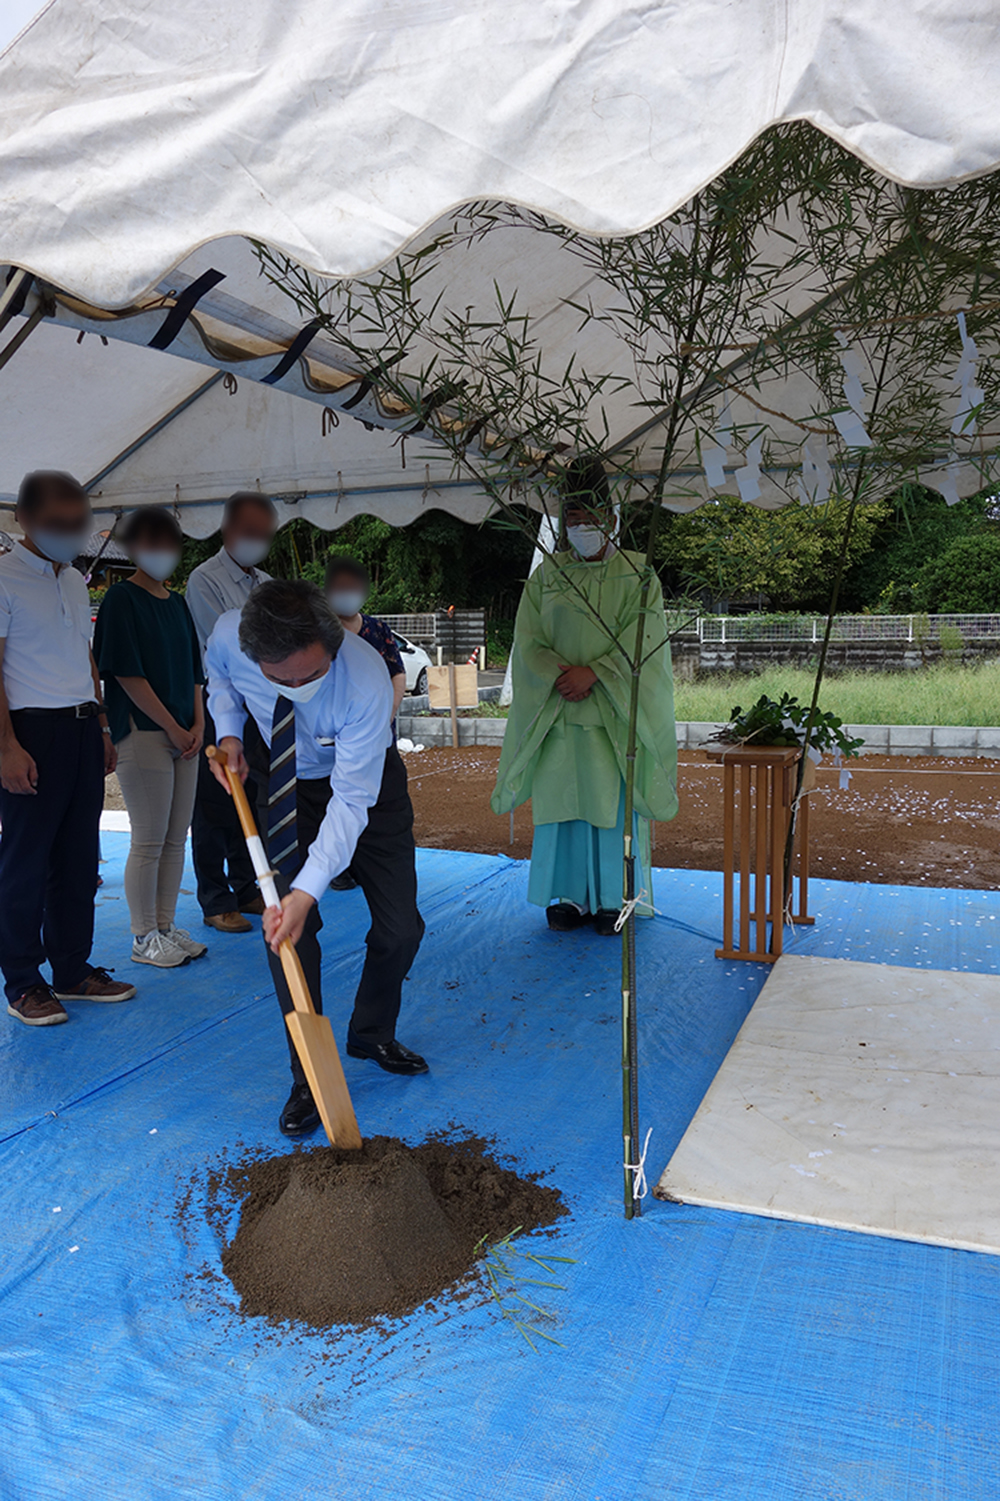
{"points": [[290, 962]]}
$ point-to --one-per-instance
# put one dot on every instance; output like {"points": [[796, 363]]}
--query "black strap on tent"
{"points": [[298, 345], [360, 394], [183, 307], [431, 403]]}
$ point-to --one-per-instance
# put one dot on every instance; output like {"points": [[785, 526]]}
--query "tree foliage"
{"points": [[735, 556], [963, 578], [434, 562]]}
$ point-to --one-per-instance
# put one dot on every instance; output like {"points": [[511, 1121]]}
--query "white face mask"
{"points": [[346, 602], [249, 551], [59, 547], [159, 565], [587, 541], [302, 692]]}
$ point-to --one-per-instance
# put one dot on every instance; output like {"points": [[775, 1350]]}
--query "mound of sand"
{"points": [[332, 1237]]}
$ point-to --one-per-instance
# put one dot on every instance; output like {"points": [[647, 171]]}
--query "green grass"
{"points": [[947, 694]]}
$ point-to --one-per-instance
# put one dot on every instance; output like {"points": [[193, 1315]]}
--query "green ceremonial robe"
{"points": [[569, 758]]}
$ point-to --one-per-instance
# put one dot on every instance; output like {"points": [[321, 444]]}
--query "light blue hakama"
{"points": [[576, 862]]}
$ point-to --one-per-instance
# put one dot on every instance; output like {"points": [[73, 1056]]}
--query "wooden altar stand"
{"points": [[758, 790]]}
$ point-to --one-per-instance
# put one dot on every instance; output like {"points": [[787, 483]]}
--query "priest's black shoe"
{"points": [[392, 1056], [605, 922], [564, 917], [300, 1116]]}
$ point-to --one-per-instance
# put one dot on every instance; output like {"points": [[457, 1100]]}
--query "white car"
{"points": [[415, 661]]}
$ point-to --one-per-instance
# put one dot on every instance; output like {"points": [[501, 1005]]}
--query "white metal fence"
{"points": [[413, 627], [952, 629]]}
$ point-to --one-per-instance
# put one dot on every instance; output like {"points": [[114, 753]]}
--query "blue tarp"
{"points": [[704, 1354]]}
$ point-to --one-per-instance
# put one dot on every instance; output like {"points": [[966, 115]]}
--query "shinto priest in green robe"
{"points": [[566, 738]]}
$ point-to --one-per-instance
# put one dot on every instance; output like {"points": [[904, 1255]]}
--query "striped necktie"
{"points": [[282, 833]]}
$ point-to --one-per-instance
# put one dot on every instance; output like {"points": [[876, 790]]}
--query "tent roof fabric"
{"points": [[143, 147], [133, 133]]}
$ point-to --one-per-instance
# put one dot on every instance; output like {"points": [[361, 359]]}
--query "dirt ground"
{"points": [[911, 821], [917, 821]]}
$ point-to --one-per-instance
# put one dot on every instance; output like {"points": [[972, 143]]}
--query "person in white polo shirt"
{"points": [[226, 886], [55, 751]]}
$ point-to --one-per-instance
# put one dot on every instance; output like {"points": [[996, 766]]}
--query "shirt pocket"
{"points": [[81, 620]]}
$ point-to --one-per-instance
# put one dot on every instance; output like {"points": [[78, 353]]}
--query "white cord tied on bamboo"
{"points": [[638, 1170], [628, 909]]}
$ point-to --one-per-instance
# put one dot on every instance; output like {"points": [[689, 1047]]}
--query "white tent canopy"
{"points": [[140, 144]]}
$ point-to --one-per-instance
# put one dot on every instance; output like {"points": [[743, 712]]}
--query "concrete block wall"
{"points": [[879, 739], [694, 658], [887, 739], [437, 731]]}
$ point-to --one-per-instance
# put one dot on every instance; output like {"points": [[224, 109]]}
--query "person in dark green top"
{"points": [[147, 652]]}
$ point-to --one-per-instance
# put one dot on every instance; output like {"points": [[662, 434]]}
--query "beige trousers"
{"points": [[158, 788]]}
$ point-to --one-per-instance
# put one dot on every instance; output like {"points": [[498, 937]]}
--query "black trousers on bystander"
{"points": [[49, 849], [222, 866]]}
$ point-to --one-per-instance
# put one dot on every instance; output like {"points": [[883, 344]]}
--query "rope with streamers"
{"points": [[638, 1170]]}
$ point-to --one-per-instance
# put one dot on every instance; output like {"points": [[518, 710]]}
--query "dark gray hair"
{"points": [[154, 523], [37, 486], [285, 616], [234, 505]]}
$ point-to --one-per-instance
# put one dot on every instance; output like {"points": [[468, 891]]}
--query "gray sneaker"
{"points": [[37, 1007], [158, 950], [183, 940]]}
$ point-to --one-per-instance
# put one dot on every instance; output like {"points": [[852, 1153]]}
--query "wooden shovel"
{"points": [[311, 1034]]}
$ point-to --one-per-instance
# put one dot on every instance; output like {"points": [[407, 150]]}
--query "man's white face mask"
{"points": [[302, 692], [249, 551], [59, 547], [586, 541]]}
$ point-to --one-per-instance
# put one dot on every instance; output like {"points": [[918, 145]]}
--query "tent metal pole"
{"points": [[151, 432], [13, 295], [9, 350]]}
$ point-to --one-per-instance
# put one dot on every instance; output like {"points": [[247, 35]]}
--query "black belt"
{"points": [[72, 711]]}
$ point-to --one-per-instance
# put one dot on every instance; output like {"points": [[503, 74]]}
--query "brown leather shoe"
{"points": [[37, 1007], [255, 907], [98, 986], [229, 922]]}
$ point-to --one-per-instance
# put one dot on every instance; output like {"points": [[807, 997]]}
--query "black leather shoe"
{"points": [[392, 1056], [563, 917], [604, 923], [345, 882], [300, 1116]]}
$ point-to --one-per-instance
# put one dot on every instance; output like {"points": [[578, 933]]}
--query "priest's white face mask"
{"points": [[588, 532], [586, 541]]}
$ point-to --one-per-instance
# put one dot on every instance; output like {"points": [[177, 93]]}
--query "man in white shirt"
{"points": [[331, 792], [55, 751], [225, 879]]}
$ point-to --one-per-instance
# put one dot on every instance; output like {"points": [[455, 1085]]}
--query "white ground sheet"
{"points": [[862, 1096]]}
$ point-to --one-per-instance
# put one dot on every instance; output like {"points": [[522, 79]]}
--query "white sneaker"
{"points": [[156, 948], [181, 938]]}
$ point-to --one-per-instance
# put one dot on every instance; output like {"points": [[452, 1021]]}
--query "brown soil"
{"points": [[904, 820], [332, 1237]]}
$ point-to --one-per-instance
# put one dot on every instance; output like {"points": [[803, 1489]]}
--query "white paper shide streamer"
{"points": [[963, 424], [817, 476], [851, 424], [748, 478], [970, 396], [713, 455]]}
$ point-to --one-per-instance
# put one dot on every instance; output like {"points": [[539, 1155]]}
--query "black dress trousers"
{"points": [[384, 866], [49, 850]]}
